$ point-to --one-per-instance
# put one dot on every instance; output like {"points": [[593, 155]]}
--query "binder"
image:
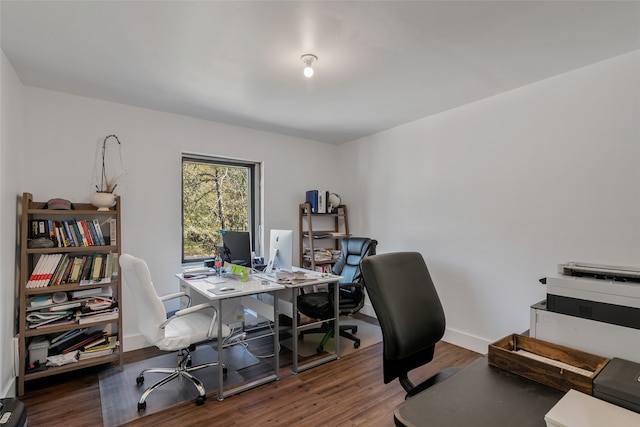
{"points": [[312, 198], [323, 201]]}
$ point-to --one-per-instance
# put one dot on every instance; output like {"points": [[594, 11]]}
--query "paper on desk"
{"points": [[577, 409]]}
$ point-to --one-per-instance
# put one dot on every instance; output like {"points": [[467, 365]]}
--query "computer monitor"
{"points": [[280, 251], [237, 247]]}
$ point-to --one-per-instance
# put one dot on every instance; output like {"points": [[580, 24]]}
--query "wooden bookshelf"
{"points": [[36, 211], [321, 230]]}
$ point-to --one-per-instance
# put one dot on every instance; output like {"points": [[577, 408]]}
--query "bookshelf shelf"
{"points": [[106, 224], [333, 227], [112, 358]]}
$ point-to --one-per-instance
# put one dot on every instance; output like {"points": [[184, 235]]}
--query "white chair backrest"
{"points": [[149, 308]]}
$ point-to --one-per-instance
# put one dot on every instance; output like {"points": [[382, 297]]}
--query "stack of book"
{"points": [[71, 232], [103, 347], [92, 305], [97, 309], [76, 340], [56, 269]]}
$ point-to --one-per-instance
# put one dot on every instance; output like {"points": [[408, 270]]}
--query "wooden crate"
{"points": [[504, 354]]}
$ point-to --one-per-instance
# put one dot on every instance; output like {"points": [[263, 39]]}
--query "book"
{"points": [[56, 261], [39, 302], [75, 269], [98, 342], [64, 278], [59, 346], [92, 231], [52, 232], [55, 280], [65, 336], [86, 268], [79, 233], [62, 263], [67, 320], [100, 317], [95, 292], [312, 199], [86, 233], [43, 272], [39, 319], [97, 267], [113, 231], [52, 306], [99, 303], [114, 266], [67, 229], [110, 342], [35, 274], [89, 338], [98, 229], [82, 355], [323, 203]]}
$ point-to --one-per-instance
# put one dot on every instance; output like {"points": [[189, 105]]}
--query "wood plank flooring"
{"points": [[346, 392]]}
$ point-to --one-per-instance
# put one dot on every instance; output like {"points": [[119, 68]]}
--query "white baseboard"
{"points": [[9, 389], [368, 310], [470, 342], [452, 336], [134, 342]]}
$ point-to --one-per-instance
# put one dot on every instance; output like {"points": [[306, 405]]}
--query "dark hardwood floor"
{"points": [[345, 392]]}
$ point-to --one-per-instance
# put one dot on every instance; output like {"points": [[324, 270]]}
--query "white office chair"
{"points": [[180, 332]]}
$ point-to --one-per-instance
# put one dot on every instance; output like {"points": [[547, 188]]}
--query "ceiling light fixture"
{"points": [[308, 59]]}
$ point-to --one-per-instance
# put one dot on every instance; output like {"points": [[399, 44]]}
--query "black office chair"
{"points": [[410, 314], [319, 305]]}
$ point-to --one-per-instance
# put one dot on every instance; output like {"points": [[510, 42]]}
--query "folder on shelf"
{"points": [[312, 199]]}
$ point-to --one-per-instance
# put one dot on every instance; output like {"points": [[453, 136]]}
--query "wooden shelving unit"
{"points": [[28, 258], [321, 231]]}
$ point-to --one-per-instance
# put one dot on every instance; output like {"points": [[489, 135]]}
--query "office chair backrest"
{"points": [[149, 308], [353, 250], [408, 308]]}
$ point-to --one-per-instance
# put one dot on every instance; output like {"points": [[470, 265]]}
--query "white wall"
{"points": [[495, 194], [61, 135], [10, 166]]}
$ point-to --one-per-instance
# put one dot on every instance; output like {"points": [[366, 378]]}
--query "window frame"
{"points": [[254, 204]]}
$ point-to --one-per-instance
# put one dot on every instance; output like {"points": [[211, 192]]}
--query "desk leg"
{"points": [[294, 328], [294, 325], [220, 363], [336, 312], [276, 338]]}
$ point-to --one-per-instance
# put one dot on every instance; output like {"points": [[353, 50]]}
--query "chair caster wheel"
{"points": [[320, 349], [224, 371], [200, 400], [355, 329], [142, 406], [356, 344], [139, 380]]}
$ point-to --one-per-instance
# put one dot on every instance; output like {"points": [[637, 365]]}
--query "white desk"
{"points": [[315, 279], [242, 289]]}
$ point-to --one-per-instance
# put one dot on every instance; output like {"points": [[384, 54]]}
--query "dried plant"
{"points": [[107, 184]]}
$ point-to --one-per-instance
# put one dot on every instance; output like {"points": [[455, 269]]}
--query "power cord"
{"points": [[236, 337]]}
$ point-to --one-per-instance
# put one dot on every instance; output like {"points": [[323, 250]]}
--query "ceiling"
{"points": [[380, 63]]}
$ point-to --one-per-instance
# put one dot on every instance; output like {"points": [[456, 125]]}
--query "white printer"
{"points": [[593, 308], [597, 292]]}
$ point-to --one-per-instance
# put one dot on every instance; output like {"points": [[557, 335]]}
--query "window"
{"points": [[217, 194]]}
